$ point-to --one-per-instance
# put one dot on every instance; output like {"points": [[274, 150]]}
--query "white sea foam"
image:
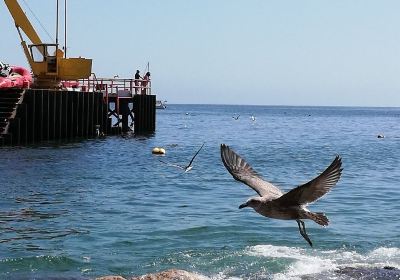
{"points": [[222, 276], [311, 261], [384, 256], [303, 262]]}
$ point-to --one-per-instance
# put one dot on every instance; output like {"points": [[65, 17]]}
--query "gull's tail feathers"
{"points": [[318, 217]]}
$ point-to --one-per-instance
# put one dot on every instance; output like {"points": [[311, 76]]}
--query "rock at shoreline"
{"points": [[171, 274], [364, 273], [374, 273], [111, 278]]}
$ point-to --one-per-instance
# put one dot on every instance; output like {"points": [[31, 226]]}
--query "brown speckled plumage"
{"points": [[273, 203]]}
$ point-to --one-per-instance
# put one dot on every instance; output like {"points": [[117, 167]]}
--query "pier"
{"points": [[98, 107], [60, 98]]}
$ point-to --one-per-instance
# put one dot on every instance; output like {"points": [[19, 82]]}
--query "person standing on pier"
{"points": [[145, 82], [137, 82]]}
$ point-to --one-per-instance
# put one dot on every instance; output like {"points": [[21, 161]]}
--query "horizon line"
{"points": [[274, 105]]}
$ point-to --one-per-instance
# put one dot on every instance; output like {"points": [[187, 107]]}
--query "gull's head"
{"points": [[253, 202]]}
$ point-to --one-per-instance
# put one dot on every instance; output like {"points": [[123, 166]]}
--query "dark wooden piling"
{"points": [[38, 115], [139, 109], [48, 115], [144, 113], [124, 111]]}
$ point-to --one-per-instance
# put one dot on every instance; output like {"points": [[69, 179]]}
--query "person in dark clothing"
{"points": [[137, 81]]}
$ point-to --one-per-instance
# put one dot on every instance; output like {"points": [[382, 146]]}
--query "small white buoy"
{"points": [[158, 151]]}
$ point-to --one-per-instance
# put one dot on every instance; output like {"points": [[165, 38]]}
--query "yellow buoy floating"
{"points": [[158, 151]]}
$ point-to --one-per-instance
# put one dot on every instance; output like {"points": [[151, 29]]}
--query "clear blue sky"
{"points": [[281, 52]]}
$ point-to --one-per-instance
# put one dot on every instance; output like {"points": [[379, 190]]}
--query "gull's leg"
{"points": [[303, 232]]}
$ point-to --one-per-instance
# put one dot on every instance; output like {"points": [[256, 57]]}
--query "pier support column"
{"points": [[124, 111], [144, 108]]}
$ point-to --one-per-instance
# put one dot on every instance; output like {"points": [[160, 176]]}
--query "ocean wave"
{"points": [[308, 262]]}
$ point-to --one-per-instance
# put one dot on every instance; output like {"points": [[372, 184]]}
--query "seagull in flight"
{"points": [[236, 117], [272, 202], [186, 168]]}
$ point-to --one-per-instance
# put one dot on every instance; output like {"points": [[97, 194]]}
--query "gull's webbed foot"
{"points": [[303, 232]]}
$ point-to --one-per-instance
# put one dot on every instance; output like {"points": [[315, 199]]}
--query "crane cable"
{"points": [[37, 19]]}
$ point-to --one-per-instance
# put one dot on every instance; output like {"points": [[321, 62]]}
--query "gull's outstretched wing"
{"points": [[243, 172], [190, 163], [171, 164], [316, 188]]}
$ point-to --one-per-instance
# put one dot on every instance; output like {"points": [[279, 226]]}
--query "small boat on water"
{"points": [[14, 77], [161, 104]]}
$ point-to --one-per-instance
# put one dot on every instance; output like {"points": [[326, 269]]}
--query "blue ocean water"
{"points": [[108, 206]]}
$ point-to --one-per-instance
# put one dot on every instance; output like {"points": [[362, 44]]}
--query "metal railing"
{"points": [[114, 91], [116, 86]]}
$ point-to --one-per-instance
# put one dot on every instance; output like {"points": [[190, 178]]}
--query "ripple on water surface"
{"points": [[109, 206]]}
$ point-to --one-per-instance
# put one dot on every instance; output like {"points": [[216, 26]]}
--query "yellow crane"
{"points": [[47, 61]]}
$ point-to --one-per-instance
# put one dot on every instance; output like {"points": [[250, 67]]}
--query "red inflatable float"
{"points": [[14, 77]]}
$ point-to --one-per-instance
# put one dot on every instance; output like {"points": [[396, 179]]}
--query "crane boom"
{"points": [[21, 21], [48, 65]]}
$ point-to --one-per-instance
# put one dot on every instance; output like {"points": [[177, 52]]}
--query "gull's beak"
{"points": [[243, 205]]}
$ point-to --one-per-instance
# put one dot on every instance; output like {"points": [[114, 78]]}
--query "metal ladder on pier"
{"points": [[9, 101]]}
